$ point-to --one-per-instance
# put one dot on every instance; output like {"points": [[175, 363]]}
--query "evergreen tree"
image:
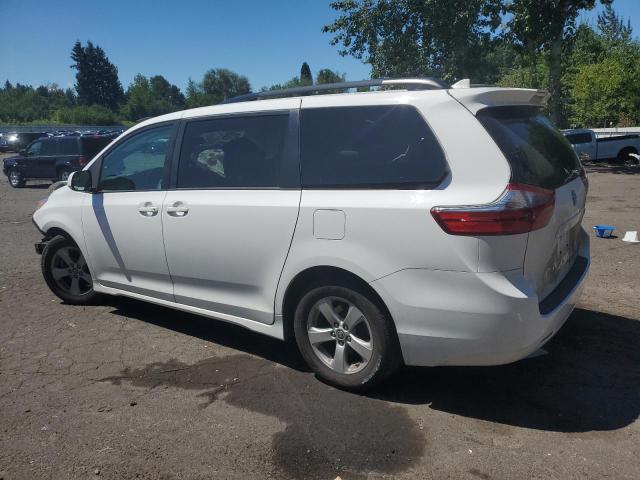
{"points": [[305, 75], [96, 78]]}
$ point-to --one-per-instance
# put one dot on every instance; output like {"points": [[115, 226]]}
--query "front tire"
{"points": [[345, 337], [16, 179], [66, 271]]}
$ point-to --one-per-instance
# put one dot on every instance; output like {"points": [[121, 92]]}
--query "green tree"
{"points": [[605, 93], [216, 86], [23, 103], [151, 97], [612, 27], [170, 95], [545, 25], [96, 77], [86, 115], [305, 75], [327, 75], [444, 38]]}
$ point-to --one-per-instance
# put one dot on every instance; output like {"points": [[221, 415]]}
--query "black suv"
{"points": [[52, 158]]}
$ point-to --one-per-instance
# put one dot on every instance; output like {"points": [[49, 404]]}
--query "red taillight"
{"points": [[520, 209], [82, 160]]}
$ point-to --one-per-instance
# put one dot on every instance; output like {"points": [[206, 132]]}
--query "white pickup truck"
{"points": [[623, 148]]}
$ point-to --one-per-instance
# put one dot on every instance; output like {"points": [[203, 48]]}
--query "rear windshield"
{"points": [[92, 145], [537, 152], [578, 138]]}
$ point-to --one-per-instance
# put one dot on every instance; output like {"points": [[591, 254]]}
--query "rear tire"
{"points": [[16, 179], [66, 271], [624, 157], [345, 337]]}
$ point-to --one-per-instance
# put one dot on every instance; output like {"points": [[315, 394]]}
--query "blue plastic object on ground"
{"points": [[604, 231]]}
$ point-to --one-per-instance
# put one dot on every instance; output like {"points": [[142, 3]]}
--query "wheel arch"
{"points": [[55, 231], [627, 149], [324, 275]]}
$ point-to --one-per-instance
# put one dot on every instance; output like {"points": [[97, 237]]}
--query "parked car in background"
{"points": [[52, 158], [588, 146], [357, 224], [16, 141]]}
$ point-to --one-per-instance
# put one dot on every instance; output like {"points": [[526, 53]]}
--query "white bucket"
{"points": [[631, 237]]}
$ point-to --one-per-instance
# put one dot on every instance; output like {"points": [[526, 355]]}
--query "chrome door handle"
{"points": [[178, 209], [147, 209]]}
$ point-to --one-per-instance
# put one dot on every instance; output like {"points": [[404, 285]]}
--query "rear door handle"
{"points": [[178, 209], [147, 209]]}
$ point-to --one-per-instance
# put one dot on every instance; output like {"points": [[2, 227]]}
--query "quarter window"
{"points": [[233, 152], [137, 163], [369, 147]]}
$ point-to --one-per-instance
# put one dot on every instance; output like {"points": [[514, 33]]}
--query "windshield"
{"points": [[537, 152]]}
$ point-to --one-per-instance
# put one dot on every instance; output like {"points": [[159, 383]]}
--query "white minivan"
{"points": [[420, 224]]}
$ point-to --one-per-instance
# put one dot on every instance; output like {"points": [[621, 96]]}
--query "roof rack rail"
{"points": [[426, 83]]}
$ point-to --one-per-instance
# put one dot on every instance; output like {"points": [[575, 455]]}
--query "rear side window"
{"points": [[48, 147], [92, 145], [233, 152], [68, 146], [387, 146], [537, 152], [578, 138]]}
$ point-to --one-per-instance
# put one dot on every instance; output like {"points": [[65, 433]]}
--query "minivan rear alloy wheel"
{"points": [[16, 180], [66, 271], [345, 338]]}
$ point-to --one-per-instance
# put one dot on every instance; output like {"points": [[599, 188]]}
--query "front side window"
{"points": [[137, 163], [34, 149], [232, 152], [388, 146]]}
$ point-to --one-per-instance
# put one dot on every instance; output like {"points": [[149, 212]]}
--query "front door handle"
{"points": [[178, 209], [147, 209]]}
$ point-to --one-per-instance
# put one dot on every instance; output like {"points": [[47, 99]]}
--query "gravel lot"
{"points": [[129, 390]]}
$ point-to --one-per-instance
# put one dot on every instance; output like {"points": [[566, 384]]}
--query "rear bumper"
{"points": [[465, 318]]}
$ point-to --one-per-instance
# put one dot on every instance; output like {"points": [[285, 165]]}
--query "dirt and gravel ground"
{"points": [[129, 390]]}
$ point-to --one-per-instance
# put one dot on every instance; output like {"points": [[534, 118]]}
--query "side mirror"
{"points": [[81, 181]]}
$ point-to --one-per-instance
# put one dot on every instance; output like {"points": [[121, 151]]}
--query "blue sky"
{"points": [[266, 40]]}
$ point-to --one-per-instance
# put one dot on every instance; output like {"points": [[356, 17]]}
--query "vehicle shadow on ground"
{"points": [[589, 380]]}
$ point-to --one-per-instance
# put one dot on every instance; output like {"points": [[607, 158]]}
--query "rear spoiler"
{"points": [[475, 99]]}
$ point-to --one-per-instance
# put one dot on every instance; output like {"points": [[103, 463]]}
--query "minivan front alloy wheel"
{"points": [[66, 271]]}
